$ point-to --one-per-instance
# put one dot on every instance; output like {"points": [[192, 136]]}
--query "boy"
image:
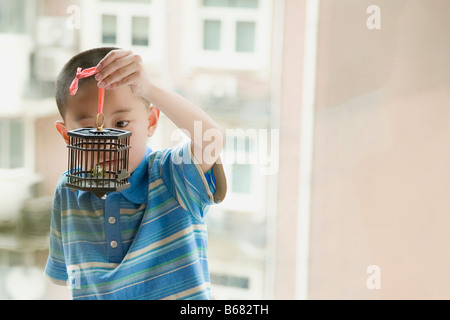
{"points": [[148, 241]]}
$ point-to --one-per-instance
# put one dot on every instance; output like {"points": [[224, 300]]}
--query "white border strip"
{"points": [[306, 148], [272, 180]]}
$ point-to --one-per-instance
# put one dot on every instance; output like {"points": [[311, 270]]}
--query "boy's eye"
{"points": [[121, 124]]}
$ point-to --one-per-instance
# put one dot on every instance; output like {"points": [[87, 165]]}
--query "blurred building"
{"points": [[360, 119], [219, 54]]}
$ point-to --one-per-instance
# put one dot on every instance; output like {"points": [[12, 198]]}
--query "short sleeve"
{"points": [[55, 270], [194, 190]]}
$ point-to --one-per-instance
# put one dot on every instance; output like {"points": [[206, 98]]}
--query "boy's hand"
{"points": [[120, 68]]}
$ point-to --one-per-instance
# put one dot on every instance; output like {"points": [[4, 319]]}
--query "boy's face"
{"points": [[122, 110]]}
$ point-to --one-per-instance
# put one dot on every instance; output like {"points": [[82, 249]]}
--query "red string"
{"points": [[101, 99], [85, 74]]}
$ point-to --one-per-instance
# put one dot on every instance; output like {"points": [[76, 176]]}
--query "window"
{"points": [[137, 25], [245, 36], [212, 35], [242, 182], [243, 169], [140, 31], [109, 29], [11, 144], [135, 29], [243, 32], [232, 34]]}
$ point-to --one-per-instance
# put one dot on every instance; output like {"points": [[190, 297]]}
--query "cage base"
{"points": [[99, 191]]}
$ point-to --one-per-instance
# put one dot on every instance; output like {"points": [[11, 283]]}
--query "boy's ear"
{"points": [[153, 118], [61, 127]]}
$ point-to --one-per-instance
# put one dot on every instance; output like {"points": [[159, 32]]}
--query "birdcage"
{"points": [[98, 160]]}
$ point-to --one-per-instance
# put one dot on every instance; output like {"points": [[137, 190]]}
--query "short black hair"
{"points": [[84, 60]]}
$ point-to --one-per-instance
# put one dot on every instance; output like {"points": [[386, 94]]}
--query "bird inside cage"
{"points": [[97, 158]]}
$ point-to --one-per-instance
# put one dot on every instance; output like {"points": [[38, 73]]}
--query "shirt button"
{"points": [[113, 244], [111, 220]]}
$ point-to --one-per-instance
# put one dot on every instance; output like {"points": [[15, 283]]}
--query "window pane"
{"points": [[231, 3], [109, 29], [16, 144], [241, 178], [212, 35], [245, 36], [140, 31]]}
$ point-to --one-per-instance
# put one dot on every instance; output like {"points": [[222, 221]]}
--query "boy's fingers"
{"points": [[118, 75], [129, 80], [113, 67], [112, 56]]}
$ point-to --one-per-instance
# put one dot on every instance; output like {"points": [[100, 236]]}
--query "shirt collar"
{"points": [[138, 190]]}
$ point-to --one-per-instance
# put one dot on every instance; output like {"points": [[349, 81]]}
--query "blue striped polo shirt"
{"points": [[146, 242]]}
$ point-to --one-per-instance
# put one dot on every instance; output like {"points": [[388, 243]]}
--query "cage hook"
{"points": [[100, 126]]}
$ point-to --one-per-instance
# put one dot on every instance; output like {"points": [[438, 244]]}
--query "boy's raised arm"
{"points": [[122, 67], [207, 140]]}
